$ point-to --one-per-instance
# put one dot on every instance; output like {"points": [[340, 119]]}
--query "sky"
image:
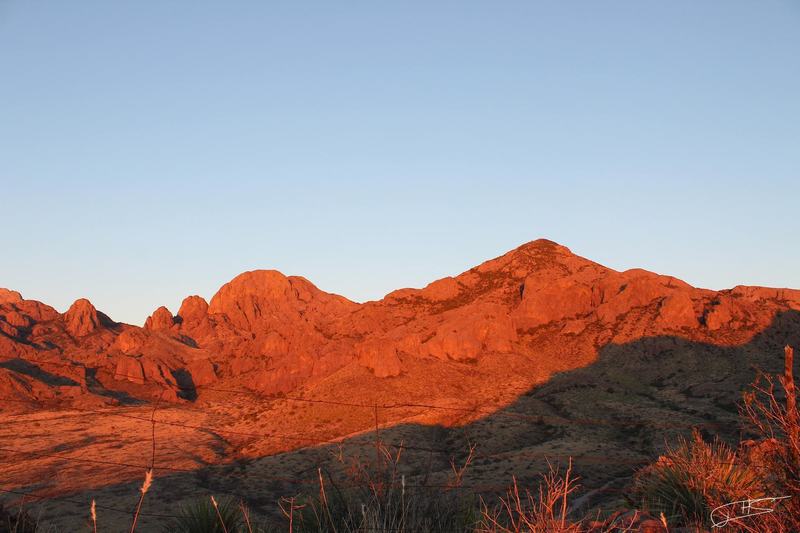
{"points": [[151, 150]]}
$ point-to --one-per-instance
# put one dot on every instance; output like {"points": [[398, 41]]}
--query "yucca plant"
{"points": [[376, 498], [208, 516], [692, 479]]}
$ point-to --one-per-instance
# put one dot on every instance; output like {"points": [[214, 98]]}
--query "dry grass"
{"points": [[375, 496], [544, 511], [547, 510], [777, 427], [148, 481]]}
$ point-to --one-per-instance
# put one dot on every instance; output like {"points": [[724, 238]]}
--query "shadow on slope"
{"points": [[611, 417], [31, 370]]}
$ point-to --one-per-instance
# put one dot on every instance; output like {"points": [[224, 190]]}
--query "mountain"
{"points": [[539, 308], [533, 357]]}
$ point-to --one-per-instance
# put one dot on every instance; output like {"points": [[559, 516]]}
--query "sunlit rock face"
{"points": [[272, 333], [82, 319]]}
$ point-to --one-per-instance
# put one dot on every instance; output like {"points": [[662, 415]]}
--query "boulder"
{"points": [[465, 335], [559, 300], [130, 341], [202, 372], [157, 372], [459, 345], [677, 311], [129, 369]]}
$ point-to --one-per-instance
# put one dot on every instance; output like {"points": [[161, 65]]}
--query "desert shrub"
{"points": [[17, 521], [544, 510], [692, 479], [201, 516], [547, 510], [771, 412], [375, 497]]}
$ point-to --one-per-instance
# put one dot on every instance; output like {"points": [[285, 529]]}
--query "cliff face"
{"points": [[272, 333]]}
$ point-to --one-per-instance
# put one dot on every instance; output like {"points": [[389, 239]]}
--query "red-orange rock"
{"points": [[632, 289], [677, 311], [538, 305], [8, 329], [441, 290], [157, 372], [193, 309], [129, 369], [131, 341], [17, 319], [561, 299], [380, 355], [9, 296], [202, 372], [464, 336], [720, 315], [272, 381], [755, 294], [263, 297], [161, 319], [274, 343], [81, 318]]}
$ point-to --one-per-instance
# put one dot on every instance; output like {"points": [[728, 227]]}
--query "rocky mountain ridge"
{"points": [[273, 333]]}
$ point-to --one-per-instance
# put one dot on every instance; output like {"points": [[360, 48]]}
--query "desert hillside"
{"points": [[538, 354]]}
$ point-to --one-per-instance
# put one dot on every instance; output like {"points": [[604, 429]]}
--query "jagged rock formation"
{"points": [[160, 319], [274, 333], [82, 319]]}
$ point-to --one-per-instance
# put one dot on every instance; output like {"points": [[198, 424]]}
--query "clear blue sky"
{"points": [[150, 150]]}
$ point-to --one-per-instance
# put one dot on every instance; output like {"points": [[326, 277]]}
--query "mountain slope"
{"points": [[272, 333]]}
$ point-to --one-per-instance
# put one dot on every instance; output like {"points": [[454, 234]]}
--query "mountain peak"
{"points": [[542, 245], [193, 308], [9, 296], [261, 283], [539, 255], [160, 319], [81, 318]]}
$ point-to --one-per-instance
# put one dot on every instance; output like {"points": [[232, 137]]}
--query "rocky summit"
{"points": [[274, 333]]}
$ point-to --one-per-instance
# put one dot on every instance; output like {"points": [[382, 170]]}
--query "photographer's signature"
{"points": [[723, 514]]}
